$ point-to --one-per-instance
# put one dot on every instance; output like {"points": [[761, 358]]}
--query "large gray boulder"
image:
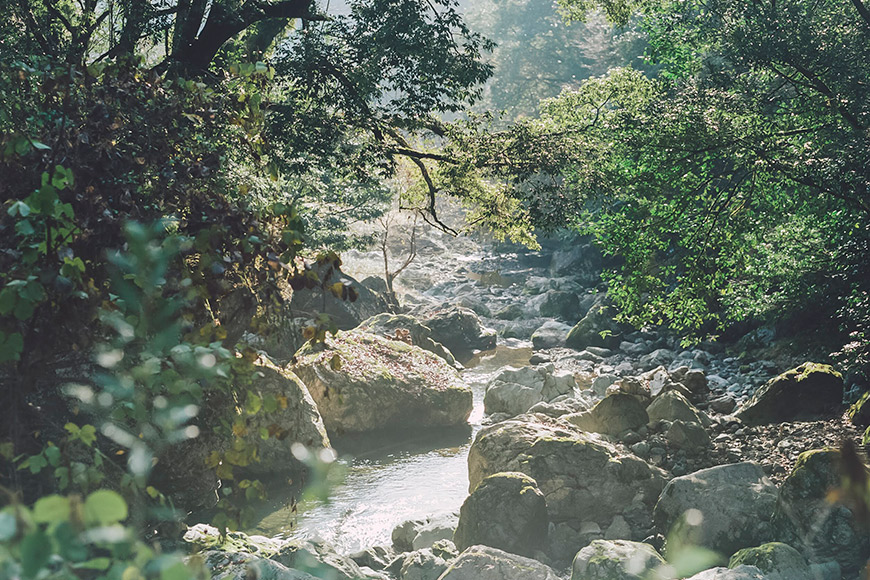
{"points": [[485, 563], [806, 518], [506, 511], [723, 508], [288, 413], [616, 560], [459, 329], [809, 390], [407, 329], [364, 382], [612, 415], [582, 477], [776, 560], [514, 391]]}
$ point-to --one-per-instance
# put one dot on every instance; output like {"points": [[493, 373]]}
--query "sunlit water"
{"points": [[392, 478]]}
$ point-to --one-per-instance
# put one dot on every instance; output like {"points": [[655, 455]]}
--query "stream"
{"points": [[385, 479]]}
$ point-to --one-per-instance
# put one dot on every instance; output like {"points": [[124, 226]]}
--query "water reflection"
{"points": [[391, 477]]}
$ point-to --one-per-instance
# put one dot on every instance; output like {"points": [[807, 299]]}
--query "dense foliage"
{"points": [[250, 142], [732, 184]]}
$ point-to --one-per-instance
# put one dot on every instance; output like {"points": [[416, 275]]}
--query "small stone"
{"points": [[641, 449]]}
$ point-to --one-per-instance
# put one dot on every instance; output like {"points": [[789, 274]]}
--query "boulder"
{"points": [[551, 334], [582, 477], [611, 415], [221, 565], [809, 390], [506, 511], [688, 436], [459, 330], [408, 329], [673, 406], [271, 556], [422, 565], [557, 304], [514, 391], [289, 412], [319, 559], [738, 573], [485, 563], [637, 388], [616, 560], [776, 560], [723, 508], [364, 382], [597, 328], [806, 519]]}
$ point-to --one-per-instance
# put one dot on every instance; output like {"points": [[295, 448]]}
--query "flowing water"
{"points": [[385, 479]]}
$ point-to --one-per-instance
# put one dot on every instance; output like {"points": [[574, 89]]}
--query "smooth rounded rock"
{"points": [[485, 563], [616, 560], [723, 508], [506, 511]]}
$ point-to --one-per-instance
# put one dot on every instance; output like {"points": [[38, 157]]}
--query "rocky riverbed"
{"points": [[611, 453]]}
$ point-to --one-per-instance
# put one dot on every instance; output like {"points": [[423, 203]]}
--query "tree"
{"points": [[733, 183], [538, 54]]}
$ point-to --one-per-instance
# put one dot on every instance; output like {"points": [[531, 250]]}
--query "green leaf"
{"points": [[50, 509], [177, 571], [40, 146], [35, 551], [23, 309], [69, 545], [24, 228], [52, 454], [8, 526], [19, 208], [253, 404], [88, 435], [8, 297], [105, 507]]}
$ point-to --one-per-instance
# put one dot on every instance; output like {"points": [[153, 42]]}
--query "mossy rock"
{"points": [[597, 328], [616, 560], [806, 518], [776, 559], [808, 391], [365, 382], [506, 511]]}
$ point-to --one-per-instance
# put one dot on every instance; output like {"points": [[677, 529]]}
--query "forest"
{"points": [[434, 290]]}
